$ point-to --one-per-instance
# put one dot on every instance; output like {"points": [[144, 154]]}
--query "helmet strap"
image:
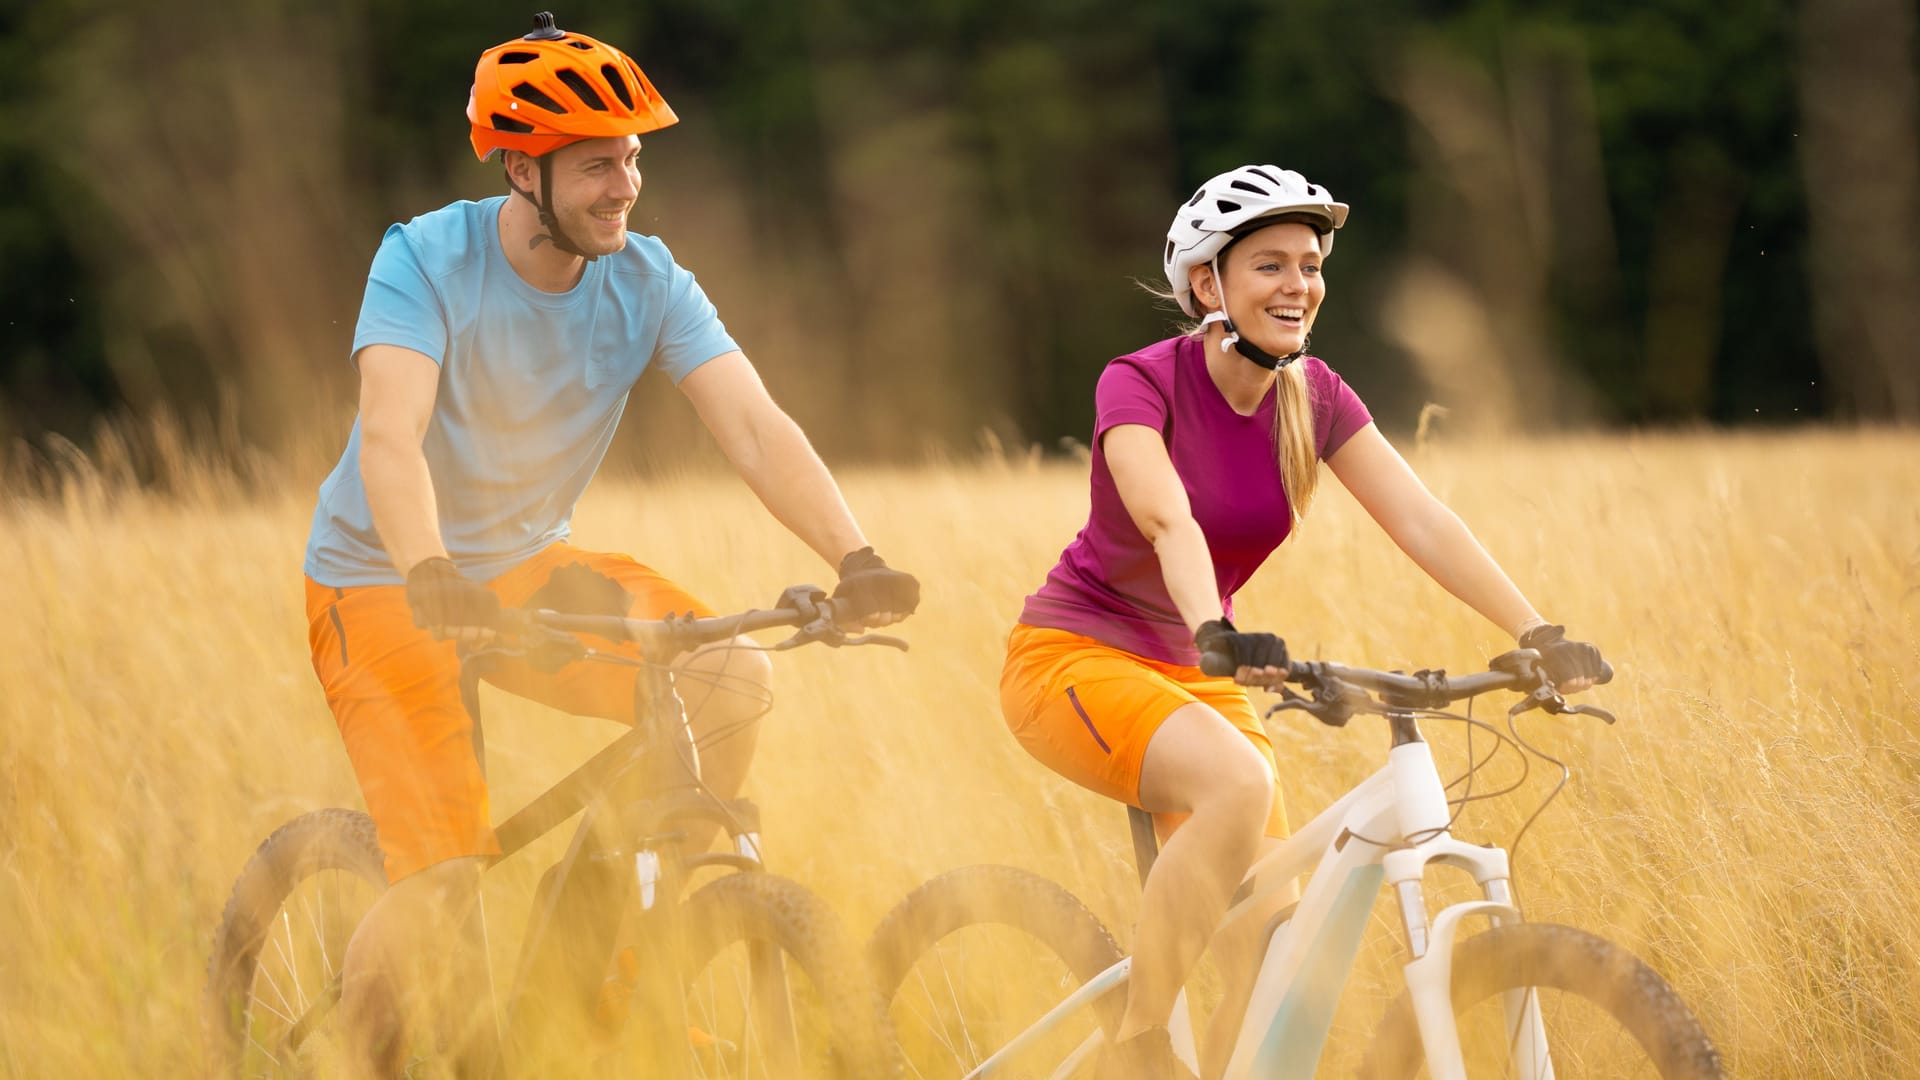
{"points": [[544, 207], [1245, 348]]}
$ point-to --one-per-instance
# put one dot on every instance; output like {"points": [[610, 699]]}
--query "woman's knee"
{"points": [[1241, 789]]}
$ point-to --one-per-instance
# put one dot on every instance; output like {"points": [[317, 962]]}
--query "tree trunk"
{"points": [[1859, 156]]}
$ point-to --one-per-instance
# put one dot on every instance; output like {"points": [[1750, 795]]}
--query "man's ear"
{"points": [[522, 170]]}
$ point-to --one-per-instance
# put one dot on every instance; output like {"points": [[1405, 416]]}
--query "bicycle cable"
{"points": [[717, 682], [1458, 805], [1513, 850]]}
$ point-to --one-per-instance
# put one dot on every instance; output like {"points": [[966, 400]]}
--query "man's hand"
{"points": [[1572, 665], [1259, 659], [878, 594], [449, 604]]}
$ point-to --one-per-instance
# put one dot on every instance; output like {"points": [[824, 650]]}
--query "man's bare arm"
{"points": [[772, 455], [397, 391]]}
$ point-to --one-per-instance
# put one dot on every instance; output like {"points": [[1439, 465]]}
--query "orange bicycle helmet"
{"points": [[540, 92]]}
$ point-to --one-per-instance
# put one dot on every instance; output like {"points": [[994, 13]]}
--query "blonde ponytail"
{"points": [[1293, 438]]}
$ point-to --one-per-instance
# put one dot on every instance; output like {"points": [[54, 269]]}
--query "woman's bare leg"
{"points": [[1198, 764]]}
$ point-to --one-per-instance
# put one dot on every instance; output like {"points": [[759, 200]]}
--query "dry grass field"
{"points": [[1750, 827]]}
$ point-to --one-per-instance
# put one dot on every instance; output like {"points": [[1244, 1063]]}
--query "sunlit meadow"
{"points": [[1749, 827]]}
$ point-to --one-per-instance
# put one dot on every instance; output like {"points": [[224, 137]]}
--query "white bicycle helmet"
{"points": [[1227, 206]]}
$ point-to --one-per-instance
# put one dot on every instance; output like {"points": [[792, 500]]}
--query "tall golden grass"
{"points": [[1750, 827]]}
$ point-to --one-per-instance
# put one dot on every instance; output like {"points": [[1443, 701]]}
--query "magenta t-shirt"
{"points": [[1108, 584]]}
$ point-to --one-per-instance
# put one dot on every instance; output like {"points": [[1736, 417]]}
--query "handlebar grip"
{"points": [[1217, 663]]}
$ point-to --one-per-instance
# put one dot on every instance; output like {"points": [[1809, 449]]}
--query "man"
{"points": [[496, 346]]}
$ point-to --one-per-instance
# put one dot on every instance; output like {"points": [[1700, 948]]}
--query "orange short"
{"points": [[1087, 710], [395, 694]]}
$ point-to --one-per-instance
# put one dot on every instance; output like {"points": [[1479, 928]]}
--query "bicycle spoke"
{"points": [[263, 1049], [745, 988], [293, 965], [274, 984], [276, 1012], [320, 929], [940, 1028]]}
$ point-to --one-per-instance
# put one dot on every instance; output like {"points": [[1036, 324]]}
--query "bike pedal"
{"points": [[610, 1010], [709, 1046]]}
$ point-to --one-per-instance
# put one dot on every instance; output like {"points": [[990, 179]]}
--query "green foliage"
{"points": [[1051, 142]]}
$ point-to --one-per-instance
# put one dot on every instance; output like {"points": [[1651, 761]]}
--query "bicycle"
{"points": [[933, 954], [697, 984]]}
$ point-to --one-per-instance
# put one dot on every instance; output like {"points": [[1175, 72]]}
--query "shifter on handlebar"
{"points": [[1544, 696], [821, 614], [545, 648]]}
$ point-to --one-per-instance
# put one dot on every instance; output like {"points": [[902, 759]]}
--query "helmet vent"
{"points": [[581, 45], [528, 93], [619, 84], [1311, 190], [508, 123], [1262, 176], [1226, 206], [1244, 186], [1168, 257], [1197, 196], [518, 57], [583, 90]]}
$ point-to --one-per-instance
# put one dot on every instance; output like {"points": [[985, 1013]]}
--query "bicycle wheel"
{"points": [[772, 989], [273, 975], [973, 957], [1606, 1012]]}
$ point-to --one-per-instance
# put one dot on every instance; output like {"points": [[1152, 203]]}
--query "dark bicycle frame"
{"points": [[634, 797]]}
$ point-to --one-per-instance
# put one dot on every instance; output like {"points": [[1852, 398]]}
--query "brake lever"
{"points": [[1293, 702], [824, 630], [1590, 710], [1540, 697], [820, 630], [1546, 698], [552, 649], [544, 648], [1332, 707]]}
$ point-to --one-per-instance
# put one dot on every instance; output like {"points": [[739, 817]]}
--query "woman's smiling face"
{"points": [[1274, 285]]}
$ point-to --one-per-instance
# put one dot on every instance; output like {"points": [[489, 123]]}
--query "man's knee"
{"points": [[739, 665], [448, 887]]}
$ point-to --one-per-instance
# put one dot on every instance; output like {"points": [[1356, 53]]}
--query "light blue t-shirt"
{"points": [[532, 385]]}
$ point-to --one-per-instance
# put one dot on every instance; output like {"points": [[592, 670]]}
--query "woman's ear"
{"points": [[1200, 280]]}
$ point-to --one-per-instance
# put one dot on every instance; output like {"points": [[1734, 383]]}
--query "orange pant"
{"points": [[395, 693], [1087, 710]]}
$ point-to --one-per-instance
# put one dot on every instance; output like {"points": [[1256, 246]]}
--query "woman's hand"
{"points": [[1572, 665], [1259, 659]]}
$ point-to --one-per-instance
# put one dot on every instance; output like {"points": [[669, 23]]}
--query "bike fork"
{"points": [[1526, 1031], [1430, 977]]}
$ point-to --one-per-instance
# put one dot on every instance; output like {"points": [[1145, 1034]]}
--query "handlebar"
{"points": [[1340, 691], [816, 617]]}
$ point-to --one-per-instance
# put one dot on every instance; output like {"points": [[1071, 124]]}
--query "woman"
{"points": [[1206, 450]]}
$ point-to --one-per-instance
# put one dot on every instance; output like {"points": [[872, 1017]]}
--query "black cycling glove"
{"points": [[871, 587], [1563, 659], [442, 597], [1247, 650]]}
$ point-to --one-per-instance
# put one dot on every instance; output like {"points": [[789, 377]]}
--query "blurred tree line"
{"points": [[926, 220]]}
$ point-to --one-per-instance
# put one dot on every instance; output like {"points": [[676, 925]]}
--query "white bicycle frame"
{"points": [[1309, 955]]}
